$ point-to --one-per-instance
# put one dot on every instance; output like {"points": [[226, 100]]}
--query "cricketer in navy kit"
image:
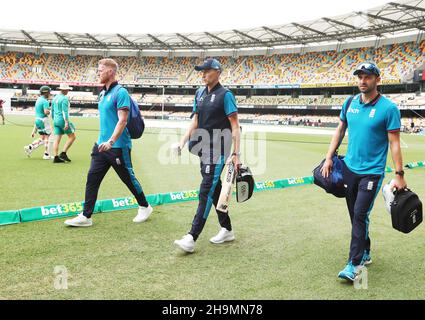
{"points": [[214, 128]]}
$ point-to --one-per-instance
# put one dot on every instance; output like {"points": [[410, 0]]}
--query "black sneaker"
{"points": [[64, 157], [58, 160]]}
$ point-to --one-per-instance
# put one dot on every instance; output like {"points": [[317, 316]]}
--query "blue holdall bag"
{"points": [[334, 183]]}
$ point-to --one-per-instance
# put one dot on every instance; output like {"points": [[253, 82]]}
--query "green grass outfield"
{"points": [[290, 243]]}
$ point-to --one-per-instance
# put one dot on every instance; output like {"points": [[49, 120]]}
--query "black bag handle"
{"points": [[399, 191]]}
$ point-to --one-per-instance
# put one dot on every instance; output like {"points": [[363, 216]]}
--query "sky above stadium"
{"points": [[166, 16]]}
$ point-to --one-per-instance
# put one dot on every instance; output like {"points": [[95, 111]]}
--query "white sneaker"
{"points": [[223, 236], [46, 157], [143, 214], [27, 151], [79, 221], [186, 243]]}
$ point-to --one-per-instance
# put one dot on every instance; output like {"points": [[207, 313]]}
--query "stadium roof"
{"points": [[389, 19]]}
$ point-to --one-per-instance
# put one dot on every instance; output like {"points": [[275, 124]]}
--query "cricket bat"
{"points": [[226, 188]]}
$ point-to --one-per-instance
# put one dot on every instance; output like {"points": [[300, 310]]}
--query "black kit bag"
{"points": [[406, 211], [244, 184]]}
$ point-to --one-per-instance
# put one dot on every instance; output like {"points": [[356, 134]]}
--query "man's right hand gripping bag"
{"points": [[334, 183], [406, 210]]}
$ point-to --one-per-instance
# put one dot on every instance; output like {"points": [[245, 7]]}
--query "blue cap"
{"points": [[368, 68], [210, 63]]}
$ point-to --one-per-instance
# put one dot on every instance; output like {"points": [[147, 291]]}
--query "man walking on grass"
{"points": [[373, 124], [113, 147]]}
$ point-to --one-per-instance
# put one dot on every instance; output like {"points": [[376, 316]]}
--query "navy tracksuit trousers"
{"points": [[101, 162], [361, 193], [209, 192]]}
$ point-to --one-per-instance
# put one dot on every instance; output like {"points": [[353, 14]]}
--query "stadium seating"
{"points": [[403, 99], [299, 120], [397, 62]]}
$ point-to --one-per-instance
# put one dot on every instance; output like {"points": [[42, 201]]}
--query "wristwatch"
{"points": [[400, 173], [236, 154], [111, 142]]}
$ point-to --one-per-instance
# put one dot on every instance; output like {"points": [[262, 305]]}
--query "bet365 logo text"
{"points": [[265, 185], [294, 181], [62, 209], [183, 195], [119, 203]]}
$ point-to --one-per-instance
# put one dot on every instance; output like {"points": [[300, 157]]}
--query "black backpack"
{"points": [[406, 211]]}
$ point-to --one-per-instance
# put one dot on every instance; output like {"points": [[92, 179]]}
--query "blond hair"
{"points": [[110, 63]]}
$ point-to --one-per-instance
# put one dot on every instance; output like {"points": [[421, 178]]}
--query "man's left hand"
{"points": [[399, 182], [236, 162]]}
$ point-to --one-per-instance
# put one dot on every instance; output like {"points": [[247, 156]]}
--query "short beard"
{"points": [[366, 91]]}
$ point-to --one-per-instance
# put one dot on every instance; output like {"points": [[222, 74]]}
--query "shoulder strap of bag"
{"points": [[348, 105], [115, 94], [345, 114]]}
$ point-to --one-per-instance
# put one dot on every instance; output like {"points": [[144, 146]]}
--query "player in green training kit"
{"points": [[42, 124], [62, 125], [1, 110]]}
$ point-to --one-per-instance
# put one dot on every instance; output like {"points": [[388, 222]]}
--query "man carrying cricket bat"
{"points": [[214, 127]]}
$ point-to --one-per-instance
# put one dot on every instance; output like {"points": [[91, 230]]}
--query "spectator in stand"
{"points": [[1, 110]]}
